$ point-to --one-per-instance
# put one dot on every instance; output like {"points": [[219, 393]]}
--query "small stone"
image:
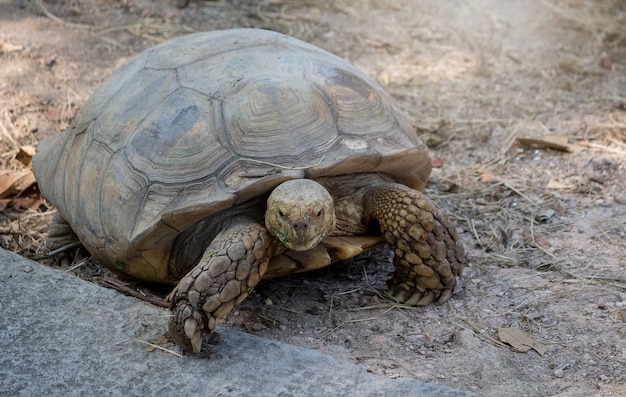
{"points": [[258, 326], [28, 269], [268, 302], [604, 378], [558, 373]]}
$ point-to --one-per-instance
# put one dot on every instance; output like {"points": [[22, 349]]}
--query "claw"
{"points": [[193, 334], [426, 299], [446, 294], [400, 295], [414, 299]]}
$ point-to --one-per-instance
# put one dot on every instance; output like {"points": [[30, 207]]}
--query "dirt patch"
{"points": [[545, 229]]}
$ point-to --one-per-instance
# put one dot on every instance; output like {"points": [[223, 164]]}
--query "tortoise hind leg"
{"points": [[428, 253], [60, 233], [231, 266]]}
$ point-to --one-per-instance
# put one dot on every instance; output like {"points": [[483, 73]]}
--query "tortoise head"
{"points": [[300, 213]]}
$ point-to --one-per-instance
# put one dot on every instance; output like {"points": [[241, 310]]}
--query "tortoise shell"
{"points": [[207, 121]]}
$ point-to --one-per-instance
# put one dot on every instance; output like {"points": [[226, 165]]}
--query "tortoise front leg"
{"points": [[428, 253], [231, 266]]}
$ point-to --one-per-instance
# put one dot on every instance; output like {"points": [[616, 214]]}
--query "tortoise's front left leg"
{"points": [[428, 253], [231, 266]]}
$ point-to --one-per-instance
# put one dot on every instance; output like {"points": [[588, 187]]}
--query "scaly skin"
{"points": [[428, 253], [60, 233], [231, 267]]}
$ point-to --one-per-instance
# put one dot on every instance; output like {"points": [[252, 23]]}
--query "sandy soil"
{"points": [[545, 229]]}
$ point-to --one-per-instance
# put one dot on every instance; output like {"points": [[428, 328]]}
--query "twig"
{"points": [[532, 237], [6, 133], [519, 192], [513, 310], [478, 332], [601, 147], [107, 282], [158, 347], [404, 367], [472, 226], [79, 264], [59, 20], [57, 251]]}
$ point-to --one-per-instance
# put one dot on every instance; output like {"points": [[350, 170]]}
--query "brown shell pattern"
{"points": [[206, 121]]}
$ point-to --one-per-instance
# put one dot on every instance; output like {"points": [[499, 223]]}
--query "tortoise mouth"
{"points": [[302, 242]]}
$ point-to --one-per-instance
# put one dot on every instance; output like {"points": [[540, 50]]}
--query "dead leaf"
{"points": [[19, 190], [160, 341], [7, 47], [431, 140], [551, 141], [486, 175], [556, 185], [437, 162], [25, 155], [520, 340], [14, 182]]}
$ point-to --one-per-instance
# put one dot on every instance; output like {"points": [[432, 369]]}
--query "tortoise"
{"points": [[215, 159]]}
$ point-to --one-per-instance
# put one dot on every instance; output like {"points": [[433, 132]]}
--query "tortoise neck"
{"points": [[189, 246]]}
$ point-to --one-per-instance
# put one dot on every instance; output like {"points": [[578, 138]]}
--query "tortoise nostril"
{"points": [[300, 225]]}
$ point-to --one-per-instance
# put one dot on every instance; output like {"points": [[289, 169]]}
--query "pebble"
{"points": [[604, 378], [258, 326], [558, 373]]}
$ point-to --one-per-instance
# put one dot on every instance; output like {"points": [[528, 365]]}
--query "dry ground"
{"points": [[545, 229]]}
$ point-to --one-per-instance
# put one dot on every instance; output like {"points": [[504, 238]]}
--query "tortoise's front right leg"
{"points": [[231, 266]]}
